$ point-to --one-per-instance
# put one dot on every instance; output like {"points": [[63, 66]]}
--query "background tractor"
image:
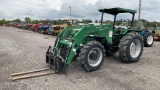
{"points": [[148, 37], [58, 28], [157, 36], [156, 33], [35, 27], [45, 27], [91, 43], [28, 26], [19, 25], [23, 25]]}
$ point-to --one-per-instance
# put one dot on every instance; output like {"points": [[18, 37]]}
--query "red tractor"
{"points": [[19, 25], [28, 26], [35, 27]]}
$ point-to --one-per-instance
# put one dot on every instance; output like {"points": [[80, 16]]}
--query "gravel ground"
{"points": [[22, 50]]}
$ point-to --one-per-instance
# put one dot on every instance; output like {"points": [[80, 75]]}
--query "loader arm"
{"points": [[79, 37], [71, 40]]}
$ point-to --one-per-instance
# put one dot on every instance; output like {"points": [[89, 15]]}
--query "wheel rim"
{"points": [[150, 39], [135, 48], [95, 57]]}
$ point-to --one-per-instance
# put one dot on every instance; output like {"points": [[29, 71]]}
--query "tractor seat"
{"points": [[119, 29]]}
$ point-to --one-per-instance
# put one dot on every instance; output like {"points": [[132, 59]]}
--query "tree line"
{"points": [[118, 22]]}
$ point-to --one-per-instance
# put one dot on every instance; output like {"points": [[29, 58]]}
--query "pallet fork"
{"points": [[56, 66]]}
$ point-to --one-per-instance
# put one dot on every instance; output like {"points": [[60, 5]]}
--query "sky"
{"points": [[80, 9]]}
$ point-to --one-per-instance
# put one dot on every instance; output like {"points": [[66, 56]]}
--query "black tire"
{"points": [[125, 47], [39, 30], [146, 39], [84, 56], [42, 32], [48, 33], [52, 33]]}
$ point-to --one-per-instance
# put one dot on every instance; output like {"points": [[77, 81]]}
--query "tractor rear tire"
{"points": [[148, 39], [91, 56], [131, 47]]}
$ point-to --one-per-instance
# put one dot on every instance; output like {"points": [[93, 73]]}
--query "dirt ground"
{"points": [[22, 50]]}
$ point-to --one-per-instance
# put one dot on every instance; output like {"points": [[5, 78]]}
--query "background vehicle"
{"points": [[36, 27], [28, 26], [19, 25], [58, 28], [156, 33], [43, 29], [23, 25]]}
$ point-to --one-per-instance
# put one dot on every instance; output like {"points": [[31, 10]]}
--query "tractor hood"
{"points": [[71, 31], [75, 33]]}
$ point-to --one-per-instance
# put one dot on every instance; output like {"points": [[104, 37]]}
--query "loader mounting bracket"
{"points": [[56, 63]]}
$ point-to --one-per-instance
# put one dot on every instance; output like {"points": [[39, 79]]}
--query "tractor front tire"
{"points": [[148, 39], [91, 56], [131, 47]]}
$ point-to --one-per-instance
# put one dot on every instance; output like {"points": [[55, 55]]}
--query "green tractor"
{"points": [[90, 44]]}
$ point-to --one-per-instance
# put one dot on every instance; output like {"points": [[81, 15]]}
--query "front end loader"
{"points": [[91, 43]]}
